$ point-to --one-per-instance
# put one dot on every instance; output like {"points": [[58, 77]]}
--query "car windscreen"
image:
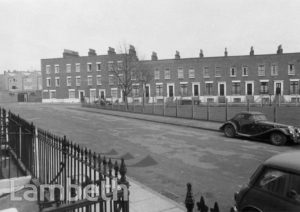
{"points": [[259, 117]]}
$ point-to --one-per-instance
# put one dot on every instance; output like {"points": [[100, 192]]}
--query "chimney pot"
{"points": [[177, 55]]}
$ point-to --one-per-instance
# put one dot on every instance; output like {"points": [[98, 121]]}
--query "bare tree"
{"points": [[129, 71]]}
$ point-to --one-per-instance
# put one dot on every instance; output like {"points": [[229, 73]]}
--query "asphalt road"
{"points": [[164, 157]]}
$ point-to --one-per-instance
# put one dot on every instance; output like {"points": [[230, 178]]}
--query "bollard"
{"points": [[207, 109], [164, 106]]}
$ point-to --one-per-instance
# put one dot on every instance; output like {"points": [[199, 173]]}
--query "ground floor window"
{"points": [[114, 93], [93, 95], [71, 94], [294, 87], [236, 88], [183, 90], [208, 88], [159, 90], [264, 88], [135, 90], [52, 94]]}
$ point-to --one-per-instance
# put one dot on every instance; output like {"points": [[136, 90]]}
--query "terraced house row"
{"points": [[257, 78]]}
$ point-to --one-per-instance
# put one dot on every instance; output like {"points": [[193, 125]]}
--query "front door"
{"points": [[249, 89], [222, 89], [171, 93], [278, 88], [147, 94], [102, 95], [81, 96]]}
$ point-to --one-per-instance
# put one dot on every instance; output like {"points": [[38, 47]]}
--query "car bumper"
{"points": [[234, 209], [295, 138]]}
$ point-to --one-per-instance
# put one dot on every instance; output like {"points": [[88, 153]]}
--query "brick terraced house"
{"points": [[257, 78]]}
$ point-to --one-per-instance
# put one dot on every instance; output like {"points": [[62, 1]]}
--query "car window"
{"points": [[260, 117], [293, 191], [273, 181]]}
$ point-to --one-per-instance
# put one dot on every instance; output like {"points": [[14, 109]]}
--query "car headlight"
{"points": [[291, 130]]}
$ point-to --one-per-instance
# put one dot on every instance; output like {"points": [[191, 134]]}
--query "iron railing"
{"points": [[68, 177]]}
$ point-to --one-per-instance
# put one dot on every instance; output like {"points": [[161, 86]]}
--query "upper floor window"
{"points": [[90, 80], [78, 81], [77, 67], [274, 70], [156, 74], [48, 82], [48, 69], [205, 72], [159, 89], [217, 71], [245, 71], [89, 67], [56, 69], [110, 65], [120, 65], [261, 70], [99, 80], [291, 69], [180, 73], [191, 73], [69, 81], [167, 74], [99, 66], [68, 68], [233, 71], [57, 82], [111, 80]]}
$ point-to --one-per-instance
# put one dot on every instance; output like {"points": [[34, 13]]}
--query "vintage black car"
{"points": [[255, 125]]}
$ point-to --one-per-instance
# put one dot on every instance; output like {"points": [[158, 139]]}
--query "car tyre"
{"points": [[229, 131], [278, 138]]}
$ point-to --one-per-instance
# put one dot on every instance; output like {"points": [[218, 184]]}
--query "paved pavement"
{"points": [[201, 124], [142, 198]]}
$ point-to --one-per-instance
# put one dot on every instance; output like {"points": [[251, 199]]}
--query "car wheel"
{"points": [[278, 138], [229, 131]]}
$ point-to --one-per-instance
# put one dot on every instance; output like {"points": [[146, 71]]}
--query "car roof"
{"points": [[288, 161]]}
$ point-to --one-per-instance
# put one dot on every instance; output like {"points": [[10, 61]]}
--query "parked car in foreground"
{"points": [[255, 125], [274, 186]]}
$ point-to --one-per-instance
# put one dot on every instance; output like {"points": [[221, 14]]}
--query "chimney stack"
{"points": [[154, 56], [111, 51], [279, 50], [92, 52], [225, 53], [201, 55], [177, 55], [69, 53], [251, 51]]}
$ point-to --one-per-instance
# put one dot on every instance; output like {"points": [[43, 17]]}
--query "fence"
{"points": [[77, 178], [284, 113]]}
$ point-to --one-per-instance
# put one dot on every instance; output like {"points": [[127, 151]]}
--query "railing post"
{"points": [[248, 105], [20, 140], [153, 107], [226, 109], [189, 199], [207, 111], [176, 107], [123, 181], [275, 113], [164, 107], [193, 108]]}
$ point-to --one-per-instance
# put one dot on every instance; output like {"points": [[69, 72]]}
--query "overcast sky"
{"points": [[35, 29]]}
